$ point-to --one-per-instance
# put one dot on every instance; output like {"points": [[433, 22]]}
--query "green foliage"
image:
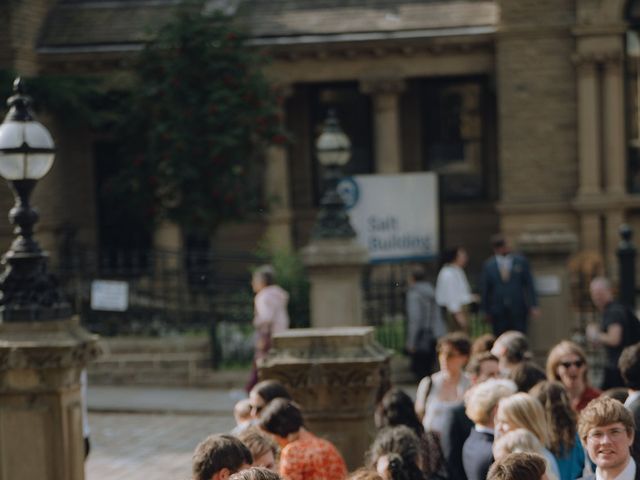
{"points": [[65, 96], [191, 122], [200, 112]]}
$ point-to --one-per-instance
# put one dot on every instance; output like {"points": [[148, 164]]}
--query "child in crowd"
{"points": [[242, 415]]}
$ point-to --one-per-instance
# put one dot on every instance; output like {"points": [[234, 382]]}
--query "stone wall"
{"points": [[536, 101]]}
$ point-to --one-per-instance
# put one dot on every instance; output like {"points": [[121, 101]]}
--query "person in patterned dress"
{"points": [[304, 456]]}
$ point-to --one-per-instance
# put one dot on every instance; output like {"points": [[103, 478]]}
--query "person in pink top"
{"points": [[270, 314]]}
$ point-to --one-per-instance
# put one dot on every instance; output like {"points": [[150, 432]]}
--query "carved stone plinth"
{"points": [[40, 403], [335, 273], [335, 375]]}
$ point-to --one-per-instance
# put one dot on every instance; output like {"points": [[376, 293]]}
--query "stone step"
{"points": [[177, 344]]}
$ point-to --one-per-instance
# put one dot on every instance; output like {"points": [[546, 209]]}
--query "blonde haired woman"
{"points": [[567, 364], [525, 411], [520, 440]]}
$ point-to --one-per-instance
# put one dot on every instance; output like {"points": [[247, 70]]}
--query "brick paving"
{"points": [[143, 446]]}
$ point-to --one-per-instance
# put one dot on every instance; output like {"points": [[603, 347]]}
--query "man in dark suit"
{"points": [[606, 429], [507, 291], [629, 365], [456, 425]]}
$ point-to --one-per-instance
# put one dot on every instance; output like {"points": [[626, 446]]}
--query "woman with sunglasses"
{"points": [[567, 364]]}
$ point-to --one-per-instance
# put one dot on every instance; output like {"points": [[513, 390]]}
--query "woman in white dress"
{"points": [[452, 288], [444, 390]]}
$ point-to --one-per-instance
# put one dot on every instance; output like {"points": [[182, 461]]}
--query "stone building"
{"points": [[528, 109]]}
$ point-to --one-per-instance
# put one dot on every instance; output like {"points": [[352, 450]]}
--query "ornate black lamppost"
{"points": [[27, 291], [333, 149], [43, 348]]}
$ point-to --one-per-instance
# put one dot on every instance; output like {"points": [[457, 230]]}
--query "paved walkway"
{"points": [[147, 433], [150, 433], [163, 400]]}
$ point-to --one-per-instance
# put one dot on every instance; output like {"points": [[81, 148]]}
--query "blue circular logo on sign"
{"points": [[348, 191]]}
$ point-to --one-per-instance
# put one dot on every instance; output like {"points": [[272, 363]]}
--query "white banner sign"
{"points": [[396, 217], [109, 295]]}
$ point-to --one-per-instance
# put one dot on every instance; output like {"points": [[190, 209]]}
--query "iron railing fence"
{"points": [[168, 293], [385, 289], [208, 293]]}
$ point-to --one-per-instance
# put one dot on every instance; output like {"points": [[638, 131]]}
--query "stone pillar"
{"points": [[588, 127], [278, 232], [549, 252], [40, 402], [335, 375], [335, 273], [614, 126], [386, 97], [278, 191]]}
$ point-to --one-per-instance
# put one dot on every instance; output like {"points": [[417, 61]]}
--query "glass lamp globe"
{"points": [[26, 150], [333, 147], [26, 146]]}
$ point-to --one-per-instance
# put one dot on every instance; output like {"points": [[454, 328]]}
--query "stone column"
{"points": [[614, 125], [335, 374], [615, 154], [335, 273], [40, 403], [277, 189], [588, 201], [588, 127], [386, 97]]}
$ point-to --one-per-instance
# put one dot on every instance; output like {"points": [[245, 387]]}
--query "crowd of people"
{"points": [[489, 412]]}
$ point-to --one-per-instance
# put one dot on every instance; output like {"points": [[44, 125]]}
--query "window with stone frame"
{"points": [[353, 110], [455, 136]]}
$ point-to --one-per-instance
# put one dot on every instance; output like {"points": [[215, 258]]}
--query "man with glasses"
{"points": [[606, 429]]}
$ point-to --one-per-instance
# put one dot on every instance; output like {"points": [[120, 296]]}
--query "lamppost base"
{"points": [[335, 272], [40, 400]]}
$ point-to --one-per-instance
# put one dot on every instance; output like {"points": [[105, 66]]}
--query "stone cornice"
{"points": [[604, 202], [375, 85], [594, 57], [613, 29], [536, 31], [89, 60], [531, 207], [46, 345], [585, 203], [352, 51]]}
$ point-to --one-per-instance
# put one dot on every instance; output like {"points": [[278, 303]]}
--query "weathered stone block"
{"points": [[335, 374]]}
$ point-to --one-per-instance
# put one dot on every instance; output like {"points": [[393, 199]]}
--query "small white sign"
{"points": [[109, 295], [547, 284], [396, 217]]}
